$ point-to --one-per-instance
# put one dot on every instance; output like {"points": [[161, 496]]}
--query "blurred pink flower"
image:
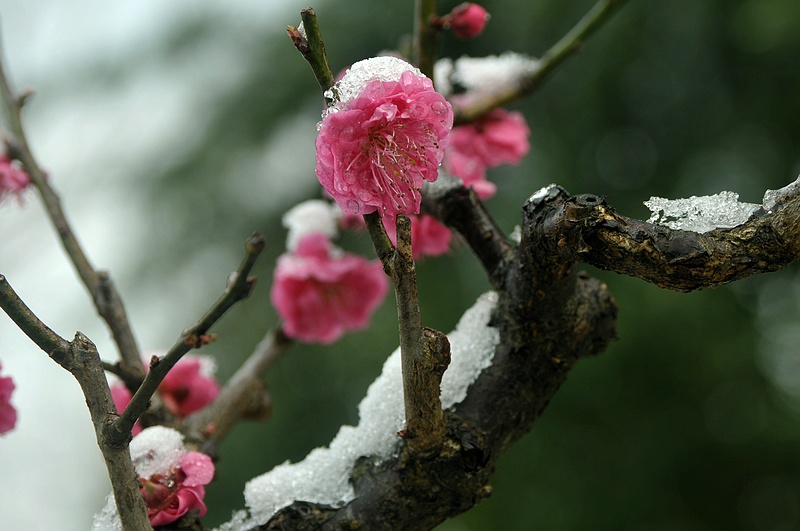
{"points": [[428, 236], [375, 150], [12, 178], [468, 20], [498, 137], [8, 415], [185, 389], [321, 293], [174, 493]]}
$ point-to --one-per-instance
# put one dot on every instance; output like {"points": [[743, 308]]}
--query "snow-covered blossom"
{"points": [[8, 415], [177, 491], [428, 236], [321, 292], [12, 178], [172, 480], [314, 215], [498, 137], [383, 138], [188, 387], [467, 20]]}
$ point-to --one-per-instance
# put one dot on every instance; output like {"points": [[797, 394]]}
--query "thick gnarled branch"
{"points": [[676, 259]]}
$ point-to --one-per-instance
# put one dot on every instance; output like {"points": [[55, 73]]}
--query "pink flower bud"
{"points": [[468, 20]]}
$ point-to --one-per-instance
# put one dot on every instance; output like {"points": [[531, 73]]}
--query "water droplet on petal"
{"points": [[352, 206]]}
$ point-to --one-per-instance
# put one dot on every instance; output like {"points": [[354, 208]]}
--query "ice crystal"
{"points": [[701, 213]]}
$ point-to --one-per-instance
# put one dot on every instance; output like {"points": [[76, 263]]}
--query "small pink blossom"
{"points": [[181, 489], [8, 415], [12, 178], [468, 20], [185, 389], [321, 293], [428, 236], [498, 137], [375, 149]]}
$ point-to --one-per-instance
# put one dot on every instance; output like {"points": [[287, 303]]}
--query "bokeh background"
{"points": [[173, 130]]}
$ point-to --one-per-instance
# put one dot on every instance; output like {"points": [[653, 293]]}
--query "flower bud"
{"points": [[468, 20]]}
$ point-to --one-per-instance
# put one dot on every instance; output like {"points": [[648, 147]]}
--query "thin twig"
{"points": [[104, 295], [309, 43], [478, 104], [425, 35], [194, 337]]}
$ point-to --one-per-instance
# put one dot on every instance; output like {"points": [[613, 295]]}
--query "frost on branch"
{"points": [[323, 476]]}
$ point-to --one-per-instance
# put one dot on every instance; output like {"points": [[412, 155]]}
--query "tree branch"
{"points": [[243, 397], [478, 104], [81, 359], [239, 287], [104, 295], [675, 259], [425, 33]]}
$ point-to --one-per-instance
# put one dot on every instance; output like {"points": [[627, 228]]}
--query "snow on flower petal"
{"points": [[321, 293], [172, 480], [8, 415], [383, 139]]}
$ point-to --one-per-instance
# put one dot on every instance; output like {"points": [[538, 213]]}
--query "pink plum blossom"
{"points": [[187, 388], [498, 137], [375, 149], [172, 494], [321, 292], [12, 178], [428, 236], [8, 415], [467, 20]]}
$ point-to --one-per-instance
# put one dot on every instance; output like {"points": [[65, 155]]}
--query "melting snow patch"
{"points": [[482, 73], [701, 214], [323, 476]]}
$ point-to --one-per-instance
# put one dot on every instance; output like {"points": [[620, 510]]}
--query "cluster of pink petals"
{"points": [[428, 236], [12, 178], [375, 151], [8, 415], [171, 495], [185, 389], [498, 137], [468, 20], [321, 293]]}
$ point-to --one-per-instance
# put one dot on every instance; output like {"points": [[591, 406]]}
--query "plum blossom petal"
{"points": [[187, 387], [13, 180], [321, 293], [499, 137], [375, 148], [8, 415]]}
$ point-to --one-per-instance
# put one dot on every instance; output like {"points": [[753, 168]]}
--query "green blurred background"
{"points": [[689, 422]]}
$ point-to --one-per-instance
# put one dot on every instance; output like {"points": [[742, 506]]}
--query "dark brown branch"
{"points": [[460, 209], [675, 259], [239, 287]]}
